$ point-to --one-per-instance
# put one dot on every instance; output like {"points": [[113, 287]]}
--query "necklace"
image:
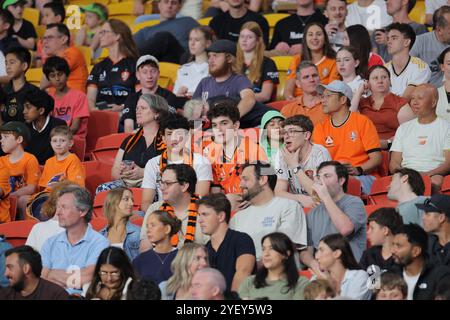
{"points": [[165, 258], [304, 22]]}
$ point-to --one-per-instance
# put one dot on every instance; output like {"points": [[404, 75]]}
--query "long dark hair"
{"points": [[327, 49], [360, 39], [282, 244], [337, 241], [118, 259]]}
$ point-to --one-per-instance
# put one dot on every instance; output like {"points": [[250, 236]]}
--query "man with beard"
{"points": [[267, 213], [23, 270], [410, 251], [223, 82]]}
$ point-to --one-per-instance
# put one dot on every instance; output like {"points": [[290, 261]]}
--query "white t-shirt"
{"points": [[279, 215], [317, 155], [416, 72], [432, 5], [41, 232], [355, 83], [422, 145], [411, 282], [372, 17], [189, 75], [152, 172]]}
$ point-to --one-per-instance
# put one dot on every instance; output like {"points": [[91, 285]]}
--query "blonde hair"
{"points": [[62, 130], [181, 277], [112, 201], [190, 106], [49, 207], [316, 287], [255, 66]]}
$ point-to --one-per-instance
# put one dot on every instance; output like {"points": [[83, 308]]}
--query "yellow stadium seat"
{"points": [[87, 53], [31, 15], [282, 63], [34, 76], [40, 30], [205, 6], [205, 21], [148, 7], [417, 14], [122, 11], [136, 27], [272, 19], [168, 71], [86, 2]]}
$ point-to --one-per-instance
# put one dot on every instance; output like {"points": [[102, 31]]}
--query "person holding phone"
{"points": [[336, 11]]}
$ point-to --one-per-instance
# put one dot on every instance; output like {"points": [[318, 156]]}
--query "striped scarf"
{"points": [[159, 143], [187, 159]]}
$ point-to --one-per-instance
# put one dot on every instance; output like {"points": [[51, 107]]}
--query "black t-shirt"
{"points": [[227, 27], [290, 29], [45, 290], [13, 108], [439, 255], [8, 42], [373, 256], [269, 72], [232, 247], [115, 82], [140, 153], [39, 145], [26, 30]]}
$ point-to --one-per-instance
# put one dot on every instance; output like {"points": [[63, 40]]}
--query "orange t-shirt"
{"points": [[6, 189], [351, 142], [226, 173], [24, 172], [326, 66], [56, 171], [298, 108]]}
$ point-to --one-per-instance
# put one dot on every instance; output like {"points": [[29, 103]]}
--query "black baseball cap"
{"points": [[18, 127], [437, 203], [222, 45], [40, 99]]}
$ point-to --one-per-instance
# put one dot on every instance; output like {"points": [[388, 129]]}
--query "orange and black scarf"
{"points": [[192, 221], [158, 142], [187, 159]]}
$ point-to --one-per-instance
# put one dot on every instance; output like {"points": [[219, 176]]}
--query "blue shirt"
{"points": [[58, 253], [132, 241], [154, 266]]}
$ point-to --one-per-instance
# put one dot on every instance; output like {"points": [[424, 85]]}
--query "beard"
{"points": [[252, 192], [405, 261], [19, 285], [220, 71]]}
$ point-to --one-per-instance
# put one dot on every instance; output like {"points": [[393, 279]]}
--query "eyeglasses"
{"points": [[102, 32], [291, 133], [164, 184], [44, 38], [114, 274], [326, 96]]}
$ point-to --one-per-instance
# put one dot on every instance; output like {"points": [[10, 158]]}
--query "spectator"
{"points": [[112, 275], [17, 61], [7, 39], [154, 264], [141, 146], [37, 109], [224, 82], [250, 61], [423, 144], [336, 259], [229, 149], [60, 255], [337, 212], [316, 48], [406, 71], [147, 72], [120, 232], [309, 103], [177, 183], [347, 62], [143, 289], [399, 11], [382, 224], [336, 11], [189, 259], [428, 46], [349, 136], [298, 161], [271, 137], [56, 42], [23, 270], [443, 106], [23, 166], [267, 213], [436, 221], [227, 25], [208, 284], [319, 289], [410, 251], [71, 105], [370, 13], [190, 74], [430, 8], [392, 287], [231, 252], [443, 290], [277, 279], [288, 34], [4, 246], [113, 79], [23, 29], [386, 109], [407, 187], [179, 150]]}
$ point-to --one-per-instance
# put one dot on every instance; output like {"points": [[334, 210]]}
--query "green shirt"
{"points": [[275, 290]]}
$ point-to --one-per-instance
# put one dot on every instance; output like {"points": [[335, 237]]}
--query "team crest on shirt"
{"points": [[125, 75], [353, 135], [423, 140], [12, 111], [325, 72], [329, 142]]}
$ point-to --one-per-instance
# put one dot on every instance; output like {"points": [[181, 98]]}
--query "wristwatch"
{"points": [[297, 169]]}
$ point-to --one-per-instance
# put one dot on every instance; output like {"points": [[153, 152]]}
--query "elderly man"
{"points": [[208, 284], [69, 258], [423, 144]]}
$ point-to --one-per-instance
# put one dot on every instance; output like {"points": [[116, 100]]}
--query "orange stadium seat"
{"points": [[278, 105], [16, 232], [101, 123], [106, 147], [98, 223], [445, 189], [12, 207], [96, 174], [79, 147]]}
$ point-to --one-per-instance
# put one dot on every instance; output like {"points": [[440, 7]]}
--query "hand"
{"points": [[183, 91], [380, 37], [321, 190], [291, 158], [282, 47], [351, 169], [363, 87], [307, 201], [116, 107], [138, 8], [331, 29], [295, 49], [134, 173]]}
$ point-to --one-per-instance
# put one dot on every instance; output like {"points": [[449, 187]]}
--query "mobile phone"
{"points": [[102, 105]]}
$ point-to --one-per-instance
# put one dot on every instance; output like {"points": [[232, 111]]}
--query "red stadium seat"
{"points": [[383, 169], [79, 147], [101, 123], [12, 207], [371, 208], [306, 273], [278, 105], [106, 147], [96, 174], [445, 189], [16, 232], [354, 187], [100, 197], [137, 220], [98, 223]]}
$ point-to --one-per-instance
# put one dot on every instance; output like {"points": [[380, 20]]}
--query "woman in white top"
{"points": [[336, 259], [443, 106], [190, 74]]}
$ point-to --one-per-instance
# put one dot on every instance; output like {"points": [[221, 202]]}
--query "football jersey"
{"points": [[416, 72]]}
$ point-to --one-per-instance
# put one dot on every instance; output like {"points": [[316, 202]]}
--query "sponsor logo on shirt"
{"points": [[329, 142], [63, 113], [115, 69], [102, 76], [125, 75], [295, 35], [353, 136], [272, 75], [268, 222], [16, 182]]}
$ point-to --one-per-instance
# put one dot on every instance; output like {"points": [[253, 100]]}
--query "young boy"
{"points": [[17, 63], [23, 29], [70, 105], [23, 166], [393, 287], [319, 289], [382, 225], [38, 106], [6, 23]]}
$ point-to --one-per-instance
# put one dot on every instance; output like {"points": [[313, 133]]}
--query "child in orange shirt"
{"points": [[23, 167]]}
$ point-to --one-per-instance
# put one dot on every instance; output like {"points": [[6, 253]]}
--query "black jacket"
{"points": [[439, 255]]}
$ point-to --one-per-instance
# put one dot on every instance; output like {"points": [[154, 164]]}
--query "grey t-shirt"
{"points": [[409, 212], [209, 88], [428, 48], [319, 224]]}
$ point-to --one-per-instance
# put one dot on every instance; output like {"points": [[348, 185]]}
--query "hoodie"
{"points": [[269, 115]]}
